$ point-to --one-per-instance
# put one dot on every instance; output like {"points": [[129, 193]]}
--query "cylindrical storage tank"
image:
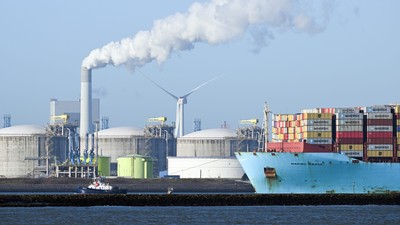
{"points": [[20, 148], [103, 166], [138, 167], [148, 166], [135, 166], [209, 143]]}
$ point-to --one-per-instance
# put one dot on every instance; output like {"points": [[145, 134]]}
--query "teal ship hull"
{"points": [[317, 173]]}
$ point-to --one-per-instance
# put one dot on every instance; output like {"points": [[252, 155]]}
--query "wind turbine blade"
{"points": [[201, 85], [152, 81]]}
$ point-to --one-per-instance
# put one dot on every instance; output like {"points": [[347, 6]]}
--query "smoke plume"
{"points": [[214, 22]]}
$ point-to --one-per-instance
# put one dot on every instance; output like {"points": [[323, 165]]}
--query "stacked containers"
{"points": [[349, 131], [284, 127], [379, 131], [397, 126], [316, 128]]}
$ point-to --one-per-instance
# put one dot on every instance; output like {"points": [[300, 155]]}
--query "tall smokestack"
{"points": [[86, 102]]}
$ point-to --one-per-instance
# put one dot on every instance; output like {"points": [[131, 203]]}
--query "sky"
{"points": [[328, 54]]}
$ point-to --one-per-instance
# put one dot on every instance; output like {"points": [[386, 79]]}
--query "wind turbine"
{"points": [[181, 101]]}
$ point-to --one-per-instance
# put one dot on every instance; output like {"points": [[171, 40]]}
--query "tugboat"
{"points": [[98, 186]]}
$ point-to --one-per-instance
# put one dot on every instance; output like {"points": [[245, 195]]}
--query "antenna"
{"points": [[181, 101]]}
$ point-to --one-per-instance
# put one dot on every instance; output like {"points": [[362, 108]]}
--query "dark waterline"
{"points": [[343, 214]]}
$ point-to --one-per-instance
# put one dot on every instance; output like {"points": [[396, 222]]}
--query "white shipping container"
{"points": [[347, 110], [349, 128], [349, 116], [379, 115], [380, 128], [353, 153], [316, 128], [349, 122], [378, 109], [309, 111], [315, 122], [380, 147], [321, 141]]}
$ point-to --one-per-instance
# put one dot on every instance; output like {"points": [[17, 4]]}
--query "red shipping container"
{"points": [[380, 122], [379, 134], [379, 140], [349, 141], [349, 134]]}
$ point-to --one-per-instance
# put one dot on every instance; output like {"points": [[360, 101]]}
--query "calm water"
{"points": [[370, 214]]}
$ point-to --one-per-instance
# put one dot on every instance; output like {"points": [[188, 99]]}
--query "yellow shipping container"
{"points": [[291, 136], [398, 122], [351, 147], [375, 153], [291, 130], [398, 135], [291, 117], [397, 109], [313, 116], [314, 134]]}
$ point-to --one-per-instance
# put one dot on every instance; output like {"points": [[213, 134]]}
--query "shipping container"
{"points": [[353, 153], [349, 116], [379, 116], [327, 110], [351, 147], [314, 134], [316, 128], [380, 147], [380, 153], [378, 109], [349, 140], [379, 140], [347, 110], [379, 122], [349, 134], [348, 128], [314, 116], [379, 128], [397, 108], [325, 141], [322, 122], [377, 134], [309, 111], [349, 122]]}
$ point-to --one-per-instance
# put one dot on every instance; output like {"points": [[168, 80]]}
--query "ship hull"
{"points": [[83, 190], [317, 173]]}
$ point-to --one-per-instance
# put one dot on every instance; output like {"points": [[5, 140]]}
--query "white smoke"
{"points": [[215, 22]]}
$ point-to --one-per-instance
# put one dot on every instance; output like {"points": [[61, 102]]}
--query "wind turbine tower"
{"points": [[180, 102]]}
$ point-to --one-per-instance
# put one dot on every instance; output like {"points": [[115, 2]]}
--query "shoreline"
{"points": [[84, 200]]}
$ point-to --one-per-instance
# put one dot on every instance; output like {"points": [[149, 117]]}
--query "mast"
{"points": [[265, 125]]}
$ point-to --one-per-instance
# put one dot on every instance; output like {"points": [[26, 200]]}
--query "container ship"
{"points": [[328, 150]]}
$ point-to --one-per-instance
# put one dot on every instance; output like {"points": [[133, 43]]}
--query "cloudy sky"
{"points": [[291, 54]]}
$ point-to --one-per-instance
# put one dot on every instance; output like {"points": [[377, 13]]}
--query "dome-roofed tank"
{"points": [[208, 143], [20, 146]]}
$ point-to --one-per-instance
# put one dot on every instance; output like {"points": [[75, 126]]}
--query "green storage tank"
{"points": [[135, 166], [103, 167]]}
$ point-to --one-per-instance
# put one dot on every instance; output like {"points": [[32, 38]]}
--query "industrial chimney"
{"points": [[86, 103]]}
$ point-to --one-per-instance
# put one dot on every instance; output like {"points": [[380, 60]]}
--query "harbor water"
{"points": [[333, 214]]}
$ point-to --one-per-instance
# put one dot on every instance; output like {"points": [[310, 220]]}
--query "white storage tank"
{"points": [[19, 146], [219, 142]]}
